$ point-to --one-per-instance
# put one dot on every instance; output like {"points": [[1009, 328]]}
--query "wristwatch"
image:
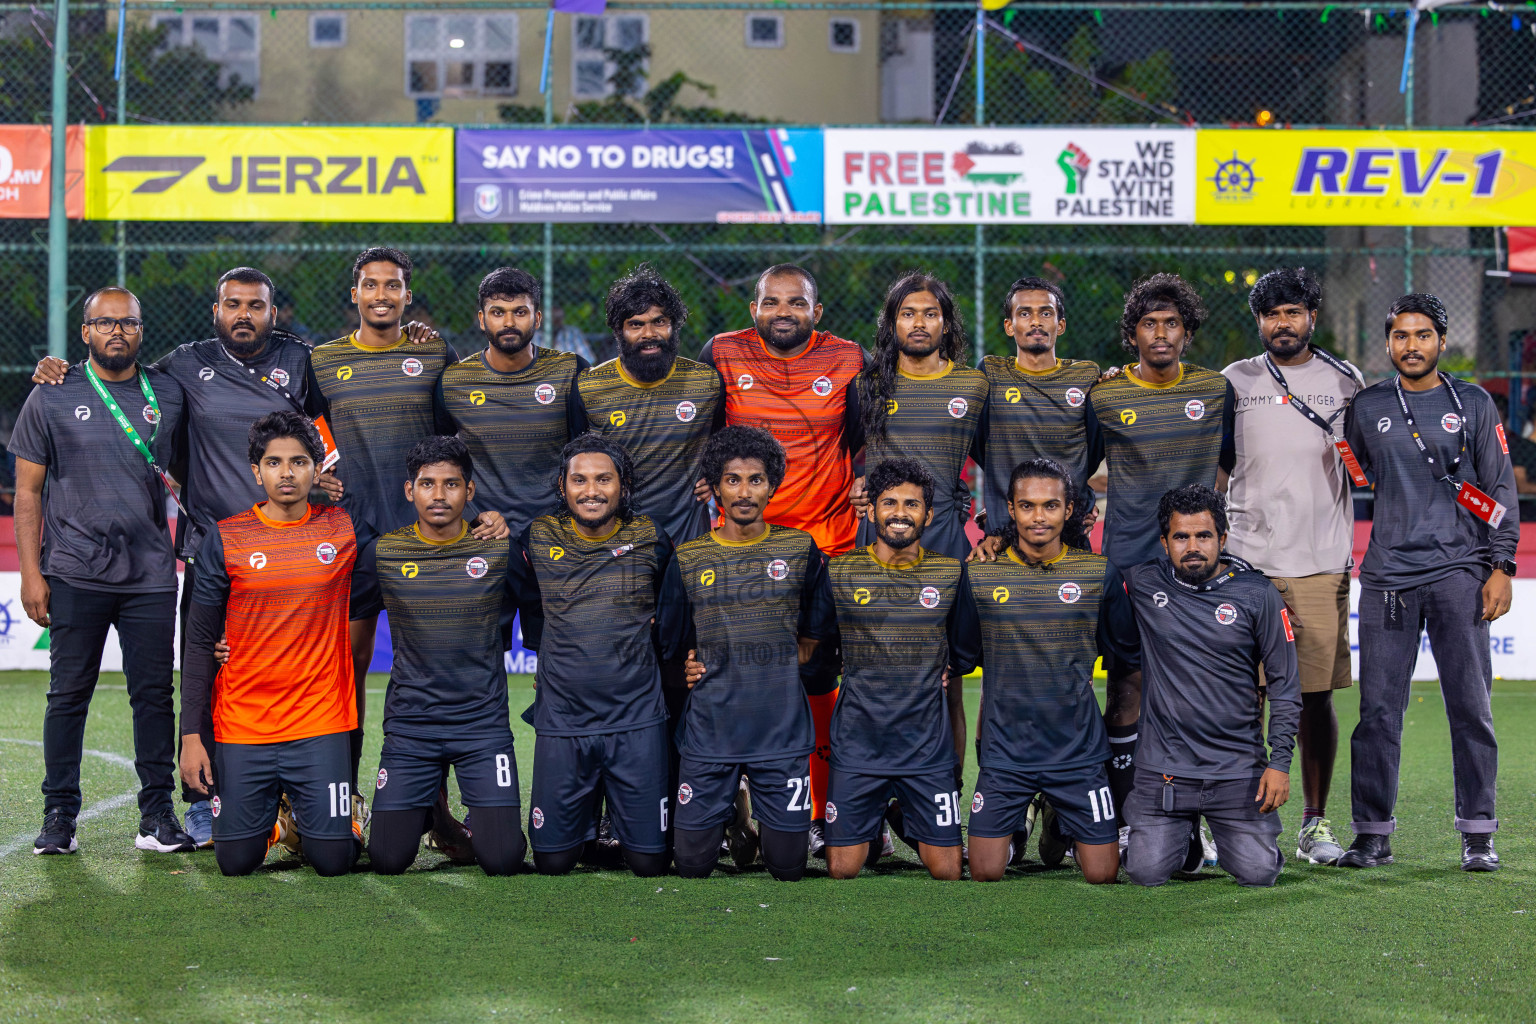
{"points": [[1506, 566]]}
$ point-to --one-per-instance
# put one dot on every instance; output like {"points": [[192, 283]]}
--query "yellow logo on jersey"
{"points": [[1013, 395], [409, 570], [707, 577], [891, 407], [617, 417], [861, 596], [556, 553], [477, 398], [1000, 595], [343, 373], [1128, 416]]}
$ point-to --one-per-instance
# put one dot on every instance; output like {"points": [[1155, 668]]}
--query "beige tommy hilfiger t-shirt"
{"points": [[1289, 502]]}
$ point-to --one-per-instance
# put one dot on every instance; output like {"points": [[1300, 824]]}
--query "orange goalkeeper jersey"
{"points": [[809, 402]]}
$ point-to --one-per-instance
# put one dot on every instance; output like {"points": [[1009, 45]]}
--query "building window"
{"points": [[448, 55], [327, 31], [843, 35], [765, 31], [232, 40], [591, 38]]}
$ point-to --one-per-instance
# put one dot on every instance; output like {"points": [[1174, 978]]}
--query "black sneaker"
{"points": [[1054, 846], [58, 834], [1476, 852], [1367, 851], [162, 833]]}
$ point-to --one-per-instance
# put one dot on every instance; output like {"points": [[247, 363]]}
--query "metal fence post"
{"points": [[58, 222], [980, 331], [1413, 15], [122, 118]]}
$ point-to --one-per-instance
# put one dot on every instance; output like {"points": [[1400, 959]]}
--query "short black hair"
{"points": [[439, 448], [1191, 500], [593, 443], [1285, 286], [509, 283], [247, 275], [738, 442], [285, 423], [1160, 292], [381, 254], [780, 269], [1423, 303], [894, 473], [1034, 284], [636, 292], [110, 289]]}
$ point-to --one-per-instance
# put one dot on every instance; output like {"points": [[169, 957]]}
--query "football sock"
{"points": [[498, 839], [648, 865], [697, 850], [240, 856], [332, 857], [393, 839], [783, 852], [1121, 764], [1311, 812], [558, 863]]}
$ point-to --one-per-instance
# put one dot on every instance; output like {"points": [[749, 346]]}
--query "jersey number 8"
{"points": [[503, 770]]}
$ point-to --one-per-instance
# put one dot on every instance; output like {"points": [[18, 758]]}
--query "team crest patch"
{"points": [[214, 805], [544, 393], [477, 567], [684, 793], [1450, 423], [382, 780], [929, 598], [821, 386], [744, 382], [778, 569], [1069, 592], [1226, 614], [412, 367], [977, 802], [958, 407], [538, 818], [1160, 599], [1076, 397], [831, 812], [279, 376], [206, 373], [686, 411], [1194, 408], [258, 560], [488, 200], [150, 415], [623, 550], [326, 552]]}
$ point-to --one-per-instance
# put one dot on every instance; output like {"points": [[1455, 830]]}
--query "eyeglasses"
{"points": [[107, 324]]}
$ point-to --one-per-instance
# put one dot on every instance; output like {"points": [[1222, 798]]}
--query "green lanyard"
{"points": [[128, 427]]}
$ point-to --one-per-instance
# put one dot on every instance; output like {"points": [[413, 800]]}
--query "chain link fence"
{"points": [[390, 63]]}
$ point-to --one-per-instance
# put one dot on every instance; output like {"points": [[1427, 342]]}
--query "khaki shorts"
{"points": [[1319, 611]]}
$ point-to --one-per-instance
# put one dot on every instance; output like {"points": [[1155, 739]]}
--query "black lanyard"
{"points": [[1302, 407], [1461, 428], [251, 372]]}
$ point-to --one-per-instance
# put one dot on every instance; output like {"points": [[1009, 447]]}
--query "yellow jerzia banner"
{"points": [[1339, 178], [146, 172]]}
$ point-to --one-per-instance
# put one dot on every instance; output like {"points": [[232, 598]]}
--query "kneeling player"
{"points": [[587, 581], [276, 579], [754, 596], [1045, 614], [446, 704], [902, 625]]}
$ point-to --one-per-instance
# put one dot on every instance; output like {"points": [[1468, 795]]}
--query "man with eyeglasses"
{"points": [[95, 552]]}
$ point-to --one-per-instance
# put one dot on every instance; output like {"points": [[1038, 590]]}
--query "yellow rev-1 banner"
{"points": [[147, 172], [1339, 178]]}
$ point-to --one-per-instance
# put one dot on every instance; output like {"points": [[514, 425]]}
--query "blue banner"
{"points": [[756, 176], [518, 660]]}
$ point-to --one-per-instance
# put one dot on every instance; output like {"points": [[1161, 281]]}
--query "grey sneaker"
{"points": [[57, 836], [161, 833], [1316, 844], [818, 839], [200, 823]]}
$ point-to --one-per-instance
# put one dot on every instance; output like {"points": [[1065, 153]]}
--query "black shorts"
{"points": [[856, 803], [630, 769], [781, 793], [1084, 807], [411, 771], [315, 772]]}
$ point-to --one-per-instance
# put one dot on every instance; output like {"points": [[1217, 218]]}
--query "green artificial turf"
{"points": [[114, 934]]}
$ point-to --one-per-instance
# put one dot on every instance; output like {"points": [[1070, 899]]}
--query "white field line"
{"points": [[96, 810]]}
